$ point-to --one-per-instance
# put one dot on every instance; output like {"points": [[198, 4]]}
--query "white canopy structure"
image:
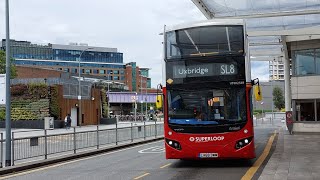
{"points": [[267, 21], [273, 27]]}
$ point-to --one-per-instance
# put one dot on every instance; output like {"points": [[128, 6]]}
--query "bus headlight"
{"points": [[173, 144], [243, 142]]}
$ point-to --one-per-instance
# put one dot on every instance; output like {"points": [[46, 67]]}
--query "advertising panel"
{"points": [[2, 89]]}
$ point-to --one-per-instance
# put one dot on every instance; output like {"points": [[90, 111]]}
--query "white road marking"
{"points": [[69, 162], [155, 149]]}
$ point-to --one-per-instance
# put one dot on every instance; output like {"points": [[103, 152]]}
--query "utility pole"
{"points": [[8, 95], [79, 84], [141, 93], [135, 107], [146, 101], [108, 110]]}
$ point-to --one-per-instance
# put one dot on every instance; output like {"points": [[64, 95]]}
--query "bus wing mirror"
{"points": [[257, 92], [255, 81]]}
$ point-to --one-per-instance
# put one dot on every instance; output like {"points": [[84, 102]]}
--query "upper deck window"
{"points": [[205, 41]]}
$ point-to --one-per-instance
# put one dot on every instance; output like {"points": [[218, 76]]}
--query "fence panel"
{"points": [[31, 147], [107, 136], [124, 134], [86, 139], [60, 143]]}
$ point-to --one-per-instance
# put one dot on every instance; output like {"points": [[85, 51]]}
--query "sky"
{"points": [[132, 27]]}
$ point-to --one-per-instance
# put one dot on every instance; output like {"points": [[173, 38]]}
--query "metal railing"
{"points": [[44, 144], [261, 119]]}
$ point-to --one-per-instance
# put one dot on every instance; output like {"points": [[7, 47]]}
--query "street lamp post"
{"points": [[262, 110], [135, 107], [108, 110], [79, 88], [146, 101], [141, 93], [8, 96]]}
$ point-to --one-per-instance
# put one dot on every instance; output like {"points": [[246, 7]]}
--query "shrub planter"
{"points": [[108, 121], [31, 124]]}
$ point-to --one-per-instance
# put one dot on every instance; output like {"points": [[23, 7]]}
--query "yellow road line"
{"points": [[165, 165], [68, 162], [250, 173], [143, 175]]}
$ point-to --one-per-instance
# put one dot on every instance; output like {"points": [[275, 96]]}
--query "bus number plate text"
{"points": [[208, 155]]}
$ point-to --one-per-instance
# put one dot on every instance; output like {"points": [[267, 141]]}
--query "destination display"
{"points": [[203, 70]]}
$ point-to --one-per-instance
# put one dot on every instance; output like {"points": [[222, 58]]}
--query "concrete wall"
{"points": [[267, 88], [36, 72], [306, 127], [306, 87], [308, 44]]}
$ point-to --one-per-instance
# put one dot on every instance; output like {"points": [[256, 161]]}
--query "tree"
{"points": [[3, 65], [278, 98]]}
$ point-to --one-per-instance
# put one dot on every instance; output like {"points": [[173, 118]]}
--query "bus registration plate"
{"points": [[208, 155]]}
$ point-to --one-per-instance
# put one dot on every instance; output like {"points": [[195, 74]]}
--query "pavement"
{"points": [[296, 157], [21, 133]]}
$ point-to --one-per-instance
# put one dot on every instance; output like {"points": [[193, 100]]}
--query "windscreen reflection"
{"points": [[212, 106]]}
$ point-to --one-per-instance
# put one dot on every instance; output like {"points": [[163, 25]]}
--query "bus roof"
{"points": [[206, 23]]}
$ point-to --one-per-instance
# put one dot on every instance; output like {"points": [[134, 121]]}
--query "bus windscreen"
{"points": [[204, 41], [207, 107]]}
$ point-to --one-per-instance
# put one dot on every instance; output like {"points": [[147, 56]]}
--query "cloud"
{"points": [[131, 26], [260, 70]]}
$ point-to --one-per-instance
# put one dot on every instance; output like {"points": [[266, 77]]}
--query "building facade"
{"points": [[97, 61], [276, 69], [101, 62], [137, 79], [267, 102], [305, 81]]}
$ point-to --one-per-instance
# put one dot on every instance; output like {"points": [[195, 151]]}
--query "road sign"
{"points": [[289, 121], [2, 89]]}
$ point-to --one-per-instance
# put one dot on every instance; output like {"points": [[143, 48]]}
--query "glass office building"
{"points": [[305, 80], [97, 61], [145, 73]]}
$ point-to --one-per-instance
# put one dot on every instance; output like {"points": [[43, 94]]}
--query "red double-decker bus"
{"points": [[207, 91]]}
